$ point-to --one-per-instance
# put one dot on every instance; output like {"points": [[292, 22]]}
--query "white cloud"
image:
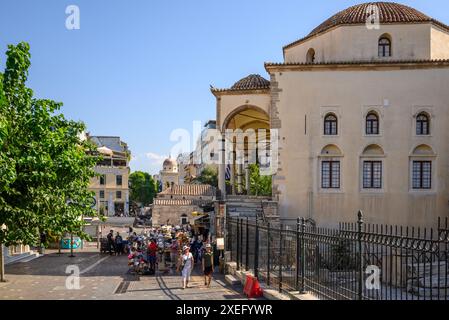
{"points": [[148, 162], [155, 158]]}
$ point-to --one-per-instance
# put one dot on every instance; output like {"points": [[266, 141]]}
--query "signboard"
{"points": [[220, 244]]}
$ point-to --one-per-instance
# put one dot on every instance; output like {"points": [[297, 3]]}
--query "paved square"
{"points": [[104, 277]]}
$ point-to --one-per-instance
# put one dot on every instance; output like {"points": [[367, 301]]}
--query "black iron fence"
{"points": [[355, 261]]}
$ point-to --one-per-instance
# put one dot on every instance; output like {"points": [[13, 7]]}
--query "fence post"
{"points": [[303, 256], [238, 244], [268, 253], [280, 258], [256, 251], [247, 245], [360, 247], [298, 252], [241, 243]]}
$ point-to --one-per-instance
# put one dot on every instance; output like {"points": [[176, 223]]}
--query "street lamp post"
{"points": [[2, 259], [71, 246]]}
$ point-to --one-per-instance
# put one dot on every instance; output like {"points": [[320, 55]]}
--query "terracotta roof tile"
{"points": [[251, 82], [177, 202], [191, 190]]}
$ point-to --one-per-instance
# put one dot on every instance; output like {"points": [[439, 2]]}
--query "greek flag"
{"points": [[228, 172]]}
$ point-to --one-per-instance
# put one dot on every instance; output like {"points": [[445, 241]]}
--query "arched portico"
{"points": [[245, 131]]}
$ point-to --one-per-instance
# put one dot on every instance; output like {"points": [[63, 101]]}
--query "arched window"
{"points": [[330, 125], [372, 167], [310, 56], [384, 47], [330, 167], [421, 167], [372, 123], [422, 124]]}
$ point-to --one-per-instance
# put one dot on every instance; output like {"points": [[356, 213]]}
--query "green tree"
{"points": [[143, 188], [48, 171], [209, 176], [260, 185]]}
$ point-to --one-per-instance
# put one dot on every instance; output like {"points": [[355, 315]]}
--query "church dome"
{"points": [[389, 13], [253, 81], [170, 164]]}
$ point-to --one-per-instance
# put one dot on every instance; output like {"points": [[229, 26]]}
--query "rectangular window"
{"points": [[330, 128], [102, 180], [118, 194], [101, 194], [422, 175], [119, 180], [372, 174], [330, 174]]}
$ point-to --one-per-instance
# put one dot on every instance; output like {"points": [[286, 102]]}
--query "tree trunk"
{"points": [[2, 264]]}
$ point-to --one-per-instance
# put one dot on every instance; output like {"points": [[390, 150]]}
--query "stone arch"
{"points": [[423, 150], [241, 109], [373, 150], [331, 150]]}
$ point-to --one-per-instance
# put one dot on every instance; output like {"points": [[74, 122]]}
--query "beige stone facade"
{"points": [[111, 187], [178, 205], [362, 117]]}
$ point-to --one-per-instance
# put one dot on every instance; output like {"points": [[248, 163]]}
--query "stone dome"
{"points": [[389, 13], [170, 164], [253, 81]]}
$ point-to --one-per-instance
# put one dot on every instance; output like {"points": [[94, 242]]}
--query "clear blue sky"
{"points": [[140, 68]]}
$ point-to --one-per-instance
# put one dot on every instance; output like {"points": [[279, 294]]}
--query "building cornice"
{"points": [[221, 92], [357, 65]]}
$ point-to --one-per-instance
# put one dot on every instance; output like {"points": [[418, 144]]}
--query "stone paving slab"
{"points": [[105, 277]]}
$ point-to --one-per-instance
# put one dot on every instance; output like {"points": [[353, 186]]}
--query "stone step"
{"points": [[232, 280], [244, 205], [17, 257], [32, 256]]}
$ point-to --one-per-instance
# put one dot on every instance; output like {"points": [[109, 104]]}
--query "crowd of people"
{"points": [[161, 249]]}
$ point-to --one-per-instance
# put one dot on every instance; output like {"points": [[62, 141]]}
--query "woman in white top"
{"points": [[186, 266]]}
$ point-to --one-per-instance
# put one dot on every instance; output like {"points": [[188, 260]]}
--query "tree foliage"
{"points": [[260, 185], [209, 176], [143, 188], [45, 168]]}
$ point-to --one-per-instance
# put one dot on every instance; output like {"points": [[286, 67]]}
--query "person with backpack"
{"points": [[208, 265]]}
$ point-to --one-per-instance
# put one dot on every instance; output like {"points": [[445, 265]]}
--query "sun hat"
{"points": [[185, 248], [208, 245]]}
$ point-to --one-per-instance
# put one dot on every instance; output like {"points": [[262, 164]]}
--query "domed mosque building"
{"points": [[358, 114], [169, 174]]}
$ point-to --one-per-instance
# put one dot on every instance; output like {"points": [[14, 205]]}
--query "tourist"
{"points": [[110, 238], [208, 265], [151, 253], [174, 252], [186, 266], [119, 244]]}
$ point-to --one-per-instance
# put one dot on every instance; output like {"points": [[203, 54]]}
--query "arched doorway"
{"points": [[247, 135]]}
